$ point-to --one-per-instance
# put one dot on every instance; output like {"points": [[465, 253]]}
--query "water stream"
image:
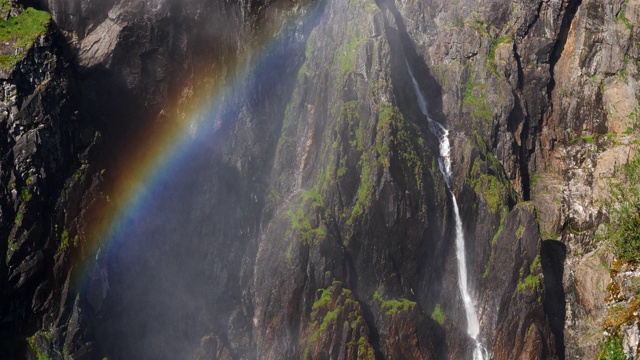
{"points": [[444, 162]]}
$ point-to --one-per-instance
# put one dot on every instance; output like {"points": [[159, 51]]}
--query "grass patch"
{"points": [[612, 349], [622, 16], [531, 282], [492, 54], [589, 139], [476, 98], [21, 31], [623, 231], [347, 56]]}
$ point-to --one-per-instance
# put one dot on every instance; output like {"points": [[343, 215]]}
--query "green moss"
{"points": [[612, 349], [394, 133], [64, 239], [589, 139], [365, 350], [393, 137], [310, 202], [323, 301], [536, 265], [301, 222], [274, 197], [40, 355], [622, 16], [20, 214], [12, 246], [621, 314], [5, 8], [393, 306], [325, 310], [21, 31], [476, 98], [492, 54], [438, 315], [347, 56], [488, 186], [530, 330], [25, 195], [494, 241], [623, 231], [532, 281], [481, 26], [520, 231]]}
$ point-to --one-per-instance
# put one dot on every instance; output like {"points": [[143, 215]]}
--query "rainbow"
{"points": [[156, 157]]}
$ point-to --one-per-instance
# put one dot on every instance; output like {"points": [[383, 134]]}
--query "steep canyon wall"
{"points": [[311, 220]]}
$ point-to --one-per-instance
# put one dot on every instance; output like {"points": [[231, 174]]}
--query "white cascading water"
{"points": [[444, 161]]}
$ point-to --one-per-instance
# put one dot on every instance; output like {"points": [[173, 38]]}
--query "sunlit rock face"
{"points": [[302, 213]]}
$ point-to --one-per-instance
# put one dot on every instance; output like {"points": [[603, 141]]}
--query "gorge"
{"points": [[444, 163], [319, 179]]}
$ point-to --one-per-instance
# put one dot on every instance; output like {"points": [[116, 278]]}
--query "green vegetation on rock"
{"points": [[395, 138], [492, 54], [488, 181], [21, 32], [623, 231], [333, 304], [25, 195], [622, 16], [438, 315], [310, 202], [532, 281], [325, 311], [612, 349], [494, 241], [64, 239], [365, 350], [589, 139], [346, 59], [476, 98], [40, 355], [393, 306]]}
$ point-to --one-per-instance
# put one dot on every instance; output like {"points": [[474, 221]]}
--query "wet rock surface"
{"points": [[314, 222]]}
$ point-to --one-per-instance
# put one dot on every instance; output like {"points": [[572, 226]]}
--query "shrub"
{"points": [[624, 208], [612, 349]]}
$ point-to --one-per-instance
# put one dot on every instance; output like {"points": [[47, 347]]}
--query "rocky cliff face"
{"points": [[314, 221], [44, 151]]}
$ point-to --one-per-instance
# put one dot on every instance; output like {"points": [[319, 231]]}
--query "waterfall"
{"points": [[444, 162]]}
